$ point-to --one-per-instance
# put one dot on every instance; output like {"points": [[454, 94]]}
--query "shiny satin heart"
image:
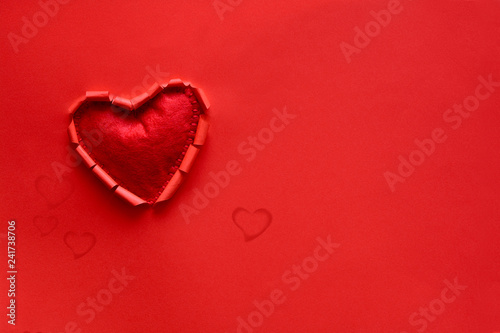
{"points": [[143, 148]]}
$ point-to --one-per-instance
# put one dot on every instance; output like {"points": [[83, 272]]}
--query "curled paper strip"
{"points": [[200, 95], [123, 102], [154, 89], [172, 186], [201, 131], [128, 196], [138, 101], [89, 162], [198, 104], [76, 105], [189, 158], [176, 83], [98, 96], [73, 137], [104, 177]]}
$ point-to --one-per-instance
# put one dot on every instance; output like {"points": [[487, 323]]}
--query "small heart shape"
{"points": [[252, 224], [142, 148], [53, 191], [81, 244], [45, 224]]}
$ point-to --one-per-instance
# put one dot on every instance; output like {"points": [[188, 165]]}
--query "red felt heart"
{"points": [[139, 147]]}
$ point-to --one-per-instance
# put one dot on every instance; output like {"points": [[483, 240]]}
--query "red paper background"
{"points": [[322, 175]]}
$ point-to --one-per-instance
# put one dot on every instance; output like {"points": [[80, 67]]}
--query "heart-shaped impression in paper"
{"points": [[80, 245], [141, 149], [252, 224]]}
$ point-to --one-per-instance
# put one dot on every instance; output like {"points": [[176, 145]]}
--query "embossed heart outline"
{"points": [[190, 153]]}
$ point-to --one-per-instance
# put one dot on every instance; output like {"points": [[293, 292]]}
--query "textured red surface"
{"points": [[141, 149], [321, 174]]}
